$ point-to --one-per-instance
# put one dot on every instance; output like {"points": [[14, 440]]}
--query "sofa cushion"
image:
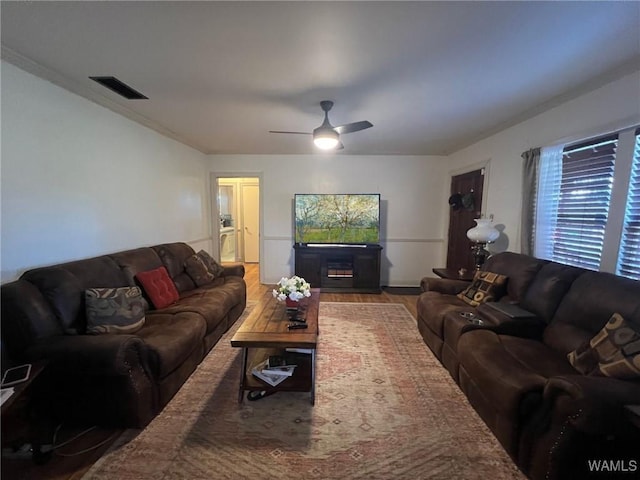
{"points": [[496, 360], [173, 256], [137, 260], [159, 287], [95, 272], [114, 310], [63, 291], [433, 307], [614, 351], [26, 317], [171, 339], [588, 305], [503, 377], [485, 287], [547, 289], [212, 301], [521, 270], [214, 267], [198, 271]]}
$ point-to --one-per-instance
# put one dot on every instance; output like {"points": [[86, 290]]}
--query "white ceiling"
{"points": [[432, 77]]}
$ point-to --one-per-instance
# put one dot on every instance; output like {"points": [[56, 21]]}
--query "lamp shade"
{"points": [[483, 232], [325, 138]]}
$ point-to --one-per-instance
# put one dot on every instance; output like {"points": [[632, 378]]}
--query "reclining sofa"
{"points": [[553, 380], [118, 376]]}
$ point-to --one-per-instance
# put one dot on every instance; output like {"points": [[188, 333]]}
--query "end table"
{"points": [[453, 274], [18, 415]]}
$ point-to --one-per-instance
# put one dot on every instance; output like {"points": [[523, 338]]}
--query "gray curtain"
{"points": [[531, 161]]}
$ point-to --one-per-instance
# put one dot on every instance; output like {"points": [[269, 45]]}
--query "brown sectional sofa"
{"points": [[515, 372], [115, 379]]}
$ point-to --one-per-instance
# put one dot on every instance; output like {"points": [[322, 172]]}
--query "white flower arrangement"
{"points": [[293, 288]]}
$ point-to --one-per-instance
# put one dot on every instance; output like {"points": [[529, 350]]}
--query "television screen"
{"points": [[337, 218]]}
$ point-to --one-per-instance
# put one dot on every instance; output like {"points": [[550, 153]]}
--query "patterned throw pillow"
{"points": [[114, 310], [198, 271], [485, 287], [613, 352], [584, 359], [214, 267], [159, 287]]}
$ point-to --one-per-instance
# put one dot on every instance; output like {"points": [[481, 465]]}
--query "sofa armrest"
{"points": [[235, 269], [580, 418], [502, 324], [443, 285], [591, 404], [111, 355]]}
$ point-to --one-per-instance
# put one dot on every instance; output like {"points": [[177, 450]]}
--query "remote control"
{"points": [[294, 326]]}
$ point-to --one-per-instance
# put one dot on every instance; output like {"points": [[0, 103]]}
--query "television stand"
{"points": [[339, 268]]}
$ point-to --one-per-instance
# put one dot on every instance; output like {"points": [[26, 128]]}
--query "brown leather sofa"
{"points": [[115, 379], [515, 372]]}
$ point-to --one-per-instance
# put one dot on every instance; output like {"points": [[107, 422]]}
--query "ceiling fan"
{"points": [[326, 136]]}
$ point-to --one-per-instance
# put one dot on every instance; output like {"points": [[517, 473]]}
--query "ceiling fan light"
{"points": [[326, 139]]}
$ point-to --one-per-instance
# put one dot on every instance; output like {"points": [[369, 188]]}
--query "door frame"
{"points": [[482, 165], [215, 211]]}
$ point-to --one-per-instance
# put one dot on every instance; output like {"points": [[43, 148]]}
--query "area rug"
{"points": [[385, 409]]}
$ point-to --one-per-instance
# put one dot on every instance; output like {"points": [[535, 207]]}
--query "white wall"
{"points": [[609, 108], [79, 180], [414, 201]]}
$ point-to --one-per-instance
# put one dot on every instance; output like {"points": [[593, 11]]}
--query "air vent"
{"points": [[112, 83]]}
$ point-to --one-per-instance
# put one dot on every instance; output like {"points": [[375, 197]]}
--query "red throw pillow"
{"points": [[159, 287]]}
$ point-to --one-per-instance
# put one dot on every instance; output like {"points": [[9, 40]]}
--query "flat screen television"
{"points": [[339, 219]]}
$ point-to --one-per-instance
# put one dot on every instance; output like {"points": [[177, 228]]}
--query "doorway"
{"points": [[250, 214], [465, 205], [238, 218]]}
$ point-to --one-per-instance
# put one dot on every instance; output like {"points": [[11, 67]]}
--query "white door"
{"points": [[251, 222]]}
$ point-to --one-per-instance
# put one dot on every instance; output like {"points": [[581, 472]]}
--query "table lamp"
{"points": [[482, 234]]}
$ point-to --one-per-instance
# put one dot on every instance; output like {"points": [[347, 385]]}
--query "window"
{"points": [[581, 196], [629, 255]]}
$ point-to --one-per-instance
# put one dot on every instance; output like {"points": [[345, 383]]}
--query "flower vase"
{"points": [[291, 304]]}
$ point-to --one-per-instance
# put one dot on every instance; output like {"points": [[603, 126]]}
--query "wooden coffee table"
{"points": [[265, 333]]}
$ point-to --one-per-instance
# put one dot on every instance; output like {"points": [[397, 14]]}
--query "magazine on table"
{"points": [[271, 378], [284, 371]]}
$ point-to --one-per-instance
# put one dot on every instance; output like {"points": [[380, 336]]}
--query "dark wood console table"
{"points": [[340, 268], [453, 274]]}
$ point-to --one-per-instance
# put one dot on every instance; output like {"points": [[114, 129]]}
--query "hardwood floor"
{"points": [[257, 291], [66, 464]]}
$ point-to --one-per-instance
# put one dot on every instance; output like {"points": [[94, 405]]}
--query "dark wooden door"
{"points": [[466, 193]]}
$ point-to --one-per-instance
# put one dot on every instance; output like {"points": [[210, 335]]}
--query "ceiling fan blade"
{"points": [[353, 127], [340, 146], [297, 133]]}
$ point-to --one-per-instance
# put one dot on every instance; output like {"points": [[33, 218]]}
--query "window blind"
{"points": [[629, 255], [583, 202]]}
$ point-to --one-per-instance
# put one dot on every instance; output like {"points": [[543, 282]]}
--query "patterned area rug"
{"points": [[385, 409]]}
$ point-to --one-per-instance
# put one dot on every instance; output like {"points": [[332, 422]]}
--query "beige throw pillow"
{"points": [[613, 352], [485, 287]]}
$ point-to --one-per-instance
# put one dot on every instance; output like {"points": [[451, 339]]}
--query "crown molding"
{"points": [[77, 88]]}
